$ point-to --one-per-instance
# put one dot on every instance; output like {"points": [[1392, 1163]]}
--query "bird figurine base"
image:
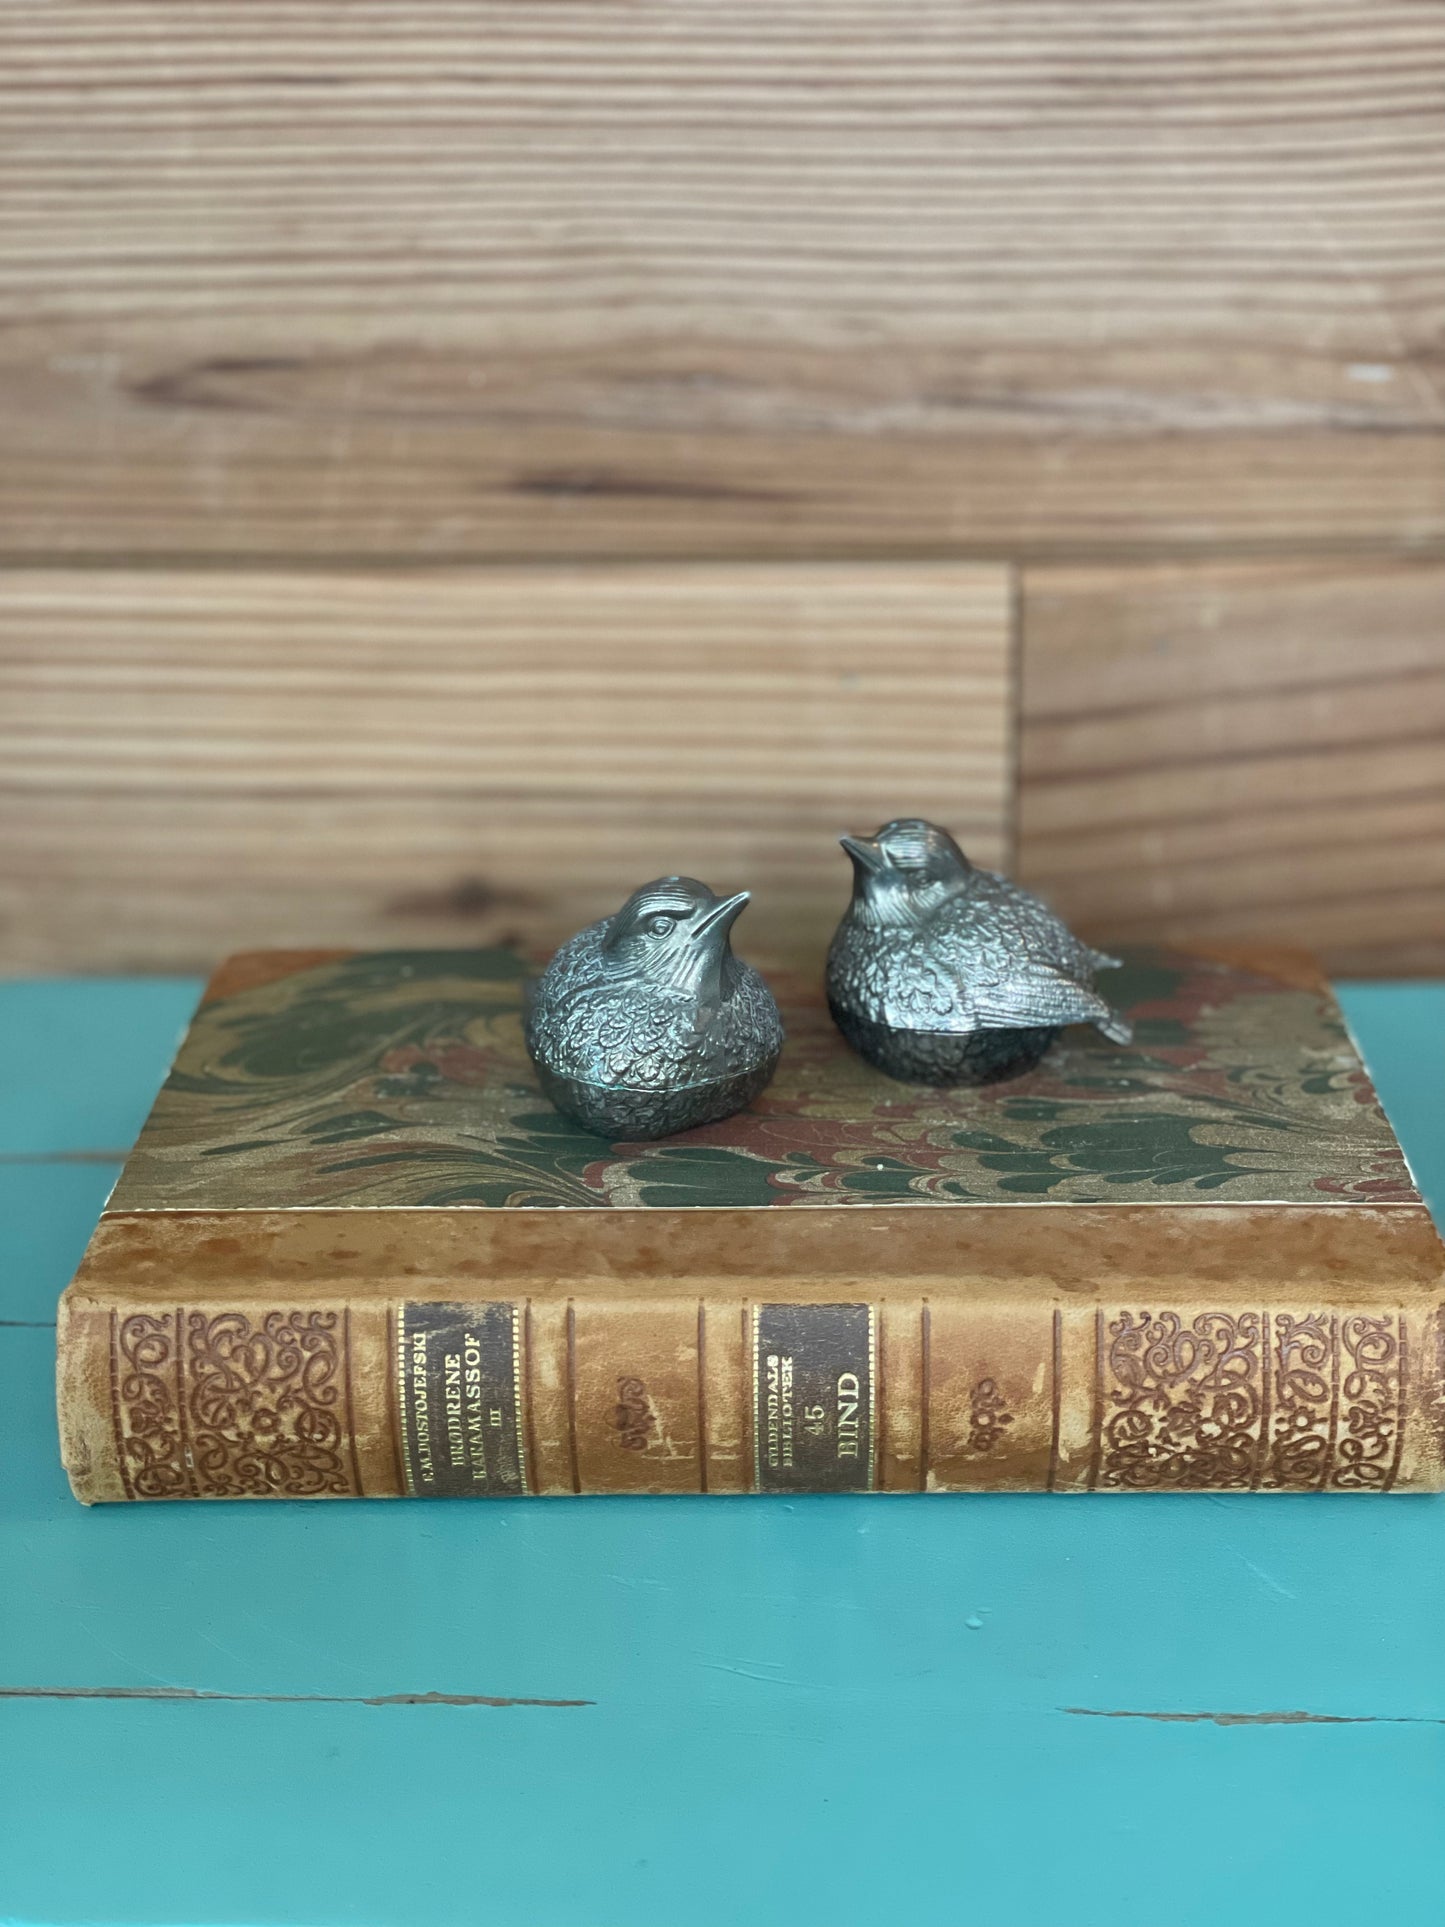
{"points": [[945, 1057], [631, 1116]]}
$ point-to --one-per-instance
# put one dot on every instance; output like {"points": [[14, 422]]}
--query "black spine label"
{"points": [[459, 1393], [813, 1393]]}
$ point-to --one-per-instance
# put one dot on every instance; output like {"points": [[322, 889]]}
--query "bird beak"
{"points": [[864, 850], [722, 916]]}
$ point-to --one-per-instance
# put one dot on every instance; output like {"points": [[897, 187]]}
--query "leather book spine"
{"points": [[368, 1396]]}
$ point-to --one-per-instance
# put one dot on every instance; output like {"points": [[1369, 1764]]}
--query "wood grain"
{"points": [[195, 762], [430, 280], [1248, 751]]}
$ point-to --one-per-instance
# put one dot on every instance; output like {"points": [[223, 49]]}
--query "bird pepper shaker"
{"points": [[944, 973], [646, 1023]]}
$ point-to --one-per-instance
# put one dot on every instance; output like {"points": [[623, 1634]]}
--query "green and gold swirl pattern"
{"points": [[400, 1078]]}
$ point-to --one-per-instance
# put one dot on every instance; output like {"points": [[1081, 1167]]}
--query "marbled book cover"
{"points": [[399, 1078]]}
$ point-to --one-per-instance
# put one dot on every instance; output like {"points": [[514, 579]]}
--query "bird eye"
{"points": [[660, 926]]}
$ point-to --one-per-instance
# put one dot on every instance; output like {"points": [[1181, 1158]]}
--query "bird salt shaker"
{"points": [[944, 973], [646, 1023]]}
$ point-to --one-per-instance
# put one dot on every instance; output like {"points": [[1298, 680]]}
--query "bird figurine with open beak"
{"points": [[943, 973], [646, 1023]]}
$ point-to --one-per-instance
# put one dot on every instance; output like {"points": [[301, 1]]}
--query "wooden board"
{"points": [[776, 278], [1246, 751], [199, 762]]}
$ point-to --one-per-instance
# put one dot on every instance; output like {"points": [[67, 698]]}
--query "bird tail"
{"points": [[1115, 1027]]}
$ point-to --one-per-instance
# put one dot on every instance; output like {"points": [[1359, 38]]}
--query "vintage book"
{"points": [[355, 1253]]}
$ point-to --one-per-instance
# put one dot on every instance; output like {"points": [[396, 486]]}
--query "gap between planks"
{"points": [[1293, 1717], [188, 1695]]}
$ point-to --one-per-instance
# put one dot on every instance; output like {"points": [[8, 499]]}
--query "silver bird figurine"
{"points": [[943, 973], [646, 1023]]}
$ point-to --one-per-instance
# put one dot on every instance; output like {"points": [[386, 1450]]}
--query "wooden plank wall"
{"points": [[332, 332], [1241, 750], [200, 762]]}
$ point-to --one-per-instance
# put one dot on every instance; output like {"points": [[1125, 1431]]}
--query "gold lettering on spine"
{"points": [[850, 1396], [758, 1426], [473, 1453], [452, 1408], [814, 1397], [462, 1406], [778, 1413], [412, 1366]]}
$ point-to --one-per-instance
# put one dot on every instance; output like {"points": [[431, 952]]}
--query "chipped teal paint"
{"points": [[859, 1704]]}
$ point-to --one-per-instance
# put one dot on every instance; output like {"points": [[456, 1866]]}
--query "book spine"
{"points": [[513, 1396]]}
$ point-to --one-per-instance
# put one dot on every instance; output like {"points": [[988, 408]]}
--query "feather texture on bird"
{"points": [[651, 1006], [933, 945], [646, 1036]]}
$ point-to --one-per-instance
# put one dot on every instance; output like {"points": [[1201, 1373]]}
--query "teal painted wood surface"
{"points": [[1121, 1711]]}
